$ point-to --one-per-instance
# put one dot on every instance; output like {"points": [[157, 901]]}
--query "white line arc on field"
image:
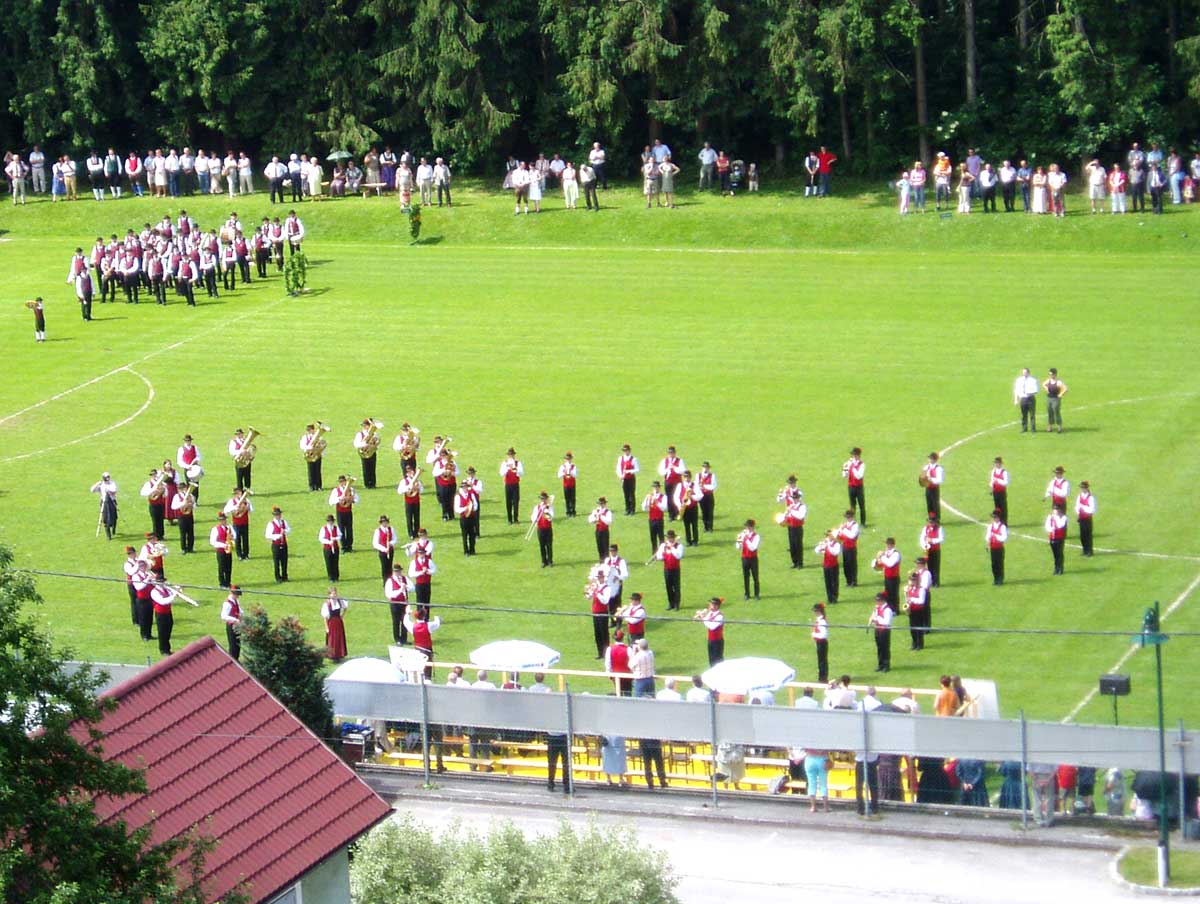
{"points": [[1041, 539], [1128, 654], [124, 367], [83, 439]]}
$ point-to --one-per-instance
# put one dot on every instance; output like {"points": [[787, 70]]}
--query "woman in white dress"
{"points": [[535, 189], [667, 172], [315, 173], [1040, 192], [965, 180], [404, 183]]}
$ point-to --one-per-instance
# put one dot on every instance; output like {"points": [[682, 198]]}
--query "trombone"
{"points": [[183, 596], [533, 523]]}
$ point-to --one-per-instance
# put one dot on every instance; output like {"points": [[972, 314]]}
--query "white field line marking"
{"points": [[146, 357], [83, 439], [1128, 654], [1041, 539]]}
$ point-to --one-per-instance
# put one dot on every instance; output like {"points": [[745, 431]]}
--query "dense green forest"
{"points": [[878, 81]]}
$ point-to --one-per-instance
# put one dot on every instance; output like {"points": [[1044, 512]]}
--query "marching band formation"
{"points": [[172, 493]]}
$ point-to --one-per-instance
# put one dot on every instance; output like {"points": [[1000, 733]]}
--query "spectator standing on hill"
{"points": [[1156, 182], [1096, 177], [37, 169], [570, 186], [587, 179], [1116, 188], [1025, 183], [708, 165], [986, 181], [441, 179], [904, 186], [916, 180], [667, 172], [966, 184], [425, 182], [941, 180], [649, 179], [387, 165], [598, 159], [1137, 187], [1056, 181], [812, 169], [723, 165], [1008, 185], [974, 167], [825, 161]]}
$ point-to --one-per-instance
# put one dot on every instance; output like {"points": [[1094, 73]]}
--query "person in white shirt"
{"points": [[807, 700], [570, 186], [245, 171], [1008, 185], [520, 183], [669, 692], [37, 167], [597, 159], [905, 703], [708, 165], [441, 179], [698, 693], [425, 182], [539, 685], [587, 178], [1025, 390]]}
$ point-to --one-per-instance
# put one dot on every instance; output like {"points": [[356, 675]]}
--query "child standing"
{"points": [[905, 187], [39, 318]]}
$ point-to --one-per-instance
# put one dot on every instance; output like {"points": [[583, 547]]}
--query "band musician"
{"points": [[312, 446], [277, 534], [238, 508], [343, 498], [366, 444], [627, 471]]}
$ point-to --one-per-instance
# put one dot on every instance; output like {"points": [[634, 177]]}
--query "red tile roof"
{"points": [[219, 752]]}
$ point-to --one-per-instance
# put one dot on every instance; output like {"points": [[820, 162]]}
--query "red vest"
{"points": [[670, 561], [656, 513], [422, 639], [619, 658], [830, 559], [234, 608], [747, 552]]}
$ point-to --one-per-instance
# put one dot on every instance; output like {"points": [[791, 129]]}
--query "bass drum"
{"points": [[195, 472]]}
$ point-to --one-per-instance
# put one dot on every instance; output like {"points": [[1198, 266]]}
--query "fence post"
{"points": [[712, 716], [569, 763], [873, 806], [1024, 773], [1183, 813], [425, 728]]}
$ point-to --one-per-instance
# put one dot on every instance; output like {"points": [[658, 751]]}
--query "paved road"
{"points": [[720, 863]]}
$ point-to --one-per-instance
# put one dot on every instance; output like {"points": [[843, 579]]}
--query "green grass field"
{"points": [[766, 334]]}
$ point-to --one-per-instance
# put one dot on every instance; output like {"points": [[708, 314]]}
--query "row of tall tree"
{"points": [[878, 81]]}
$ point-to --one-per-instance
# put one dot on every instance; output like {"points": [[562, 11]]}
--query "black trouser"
{"points": [[858, 495], [345, 523], [707, 504], [314, 474], [750, 569], [279, 558], [1156, 195], [652, 754], [557, 753], [164, 621], [672, 508], [869, 771], [934, 557], [1056, 547], [831, 582], [467, 528], [277, 252], [243, 476], [822, 660], [243, 263], [691, 525], [108, 287], [187, 532], [210, 282], [601, 544], [716, 651], [145, 617], [229, 277], [891, 587], [600, 633], [629, 488], [545, 537], [234, 641], [368, 471], [1029, 413], [601, 175], [997, 565], [242, 542], [133, 610], [297, 191], [293, 248], [261, 257], [989, 199], [399, 631], [224, 568], [158, 286], [424, 593], [883, 649], [331, 564], [1008, 191], [672, 580], [386, 561], [1137, 196], [569, 499], [412, 518], [445, 497], [85, 306], [130, 281], [158, 515], [1085, 535], [185, 288], [796, 545], [276, 190], [443, 187], [656, 534], [850, 565], [1000, 503], [512, 502], [933, 499], [918, 625]]}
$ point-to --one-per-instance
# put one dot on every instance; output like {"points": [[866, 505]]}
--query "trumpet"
{"points": [[371, 443], [183, 596], [846, 468], [877, 562], [156, 550], [249, 449]]}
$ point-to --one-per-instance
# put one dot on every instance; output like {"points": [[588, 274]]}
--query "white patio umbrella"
{"points": [[747, 675], [407, 660], [514, 656], [374, 671]]}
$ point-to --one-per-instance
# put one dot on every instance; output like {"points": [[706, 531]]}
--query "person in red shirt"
{"points": [[825, 161], [616, 661]]}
